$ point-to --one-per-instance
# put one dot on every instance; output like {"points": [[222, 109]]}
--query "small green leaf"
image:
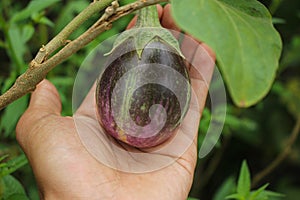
{"points": [[246, 43], [278, 21], [227, 188], [12, 114], [33, 7], [290, 95], [39, 18], [46, 21], [8, 82], [68, 13], [273, 194], [27, 32], [236, 196], [17, 45], [256, 193], [13, 165], [266, 195], [62, 80], [291, 54], [10, 186], [3, 157], [3, 44], [17, 197], [244, 182]]}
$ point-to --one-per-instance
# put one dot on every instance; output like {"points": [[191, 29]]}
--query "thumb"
{"points": [[45, 99], [44, 102]]}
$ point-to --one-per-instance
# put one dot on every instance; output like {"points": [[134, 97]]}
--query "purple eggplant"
{"points": [[142, 99]]}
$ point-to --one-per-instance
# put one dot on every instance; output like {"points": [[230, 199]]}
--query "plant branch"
{"points": [[60, 39], [40, 66], [281, 157]]}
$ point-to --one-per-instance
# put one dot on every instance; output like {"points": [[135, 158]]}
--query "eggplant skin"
{"points": [[125, 58]]}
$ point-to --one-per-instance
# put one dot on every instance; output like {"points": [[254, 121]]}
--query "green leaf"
{"points": [[291, 56], [9, 81], [46, 21], [227, 188], [255, 194], [3, 158], [33, 7], [278, 21], [290, 95], [3, 44], [10, 187], [17, 45], [266, 195], [27, 32], [62, 80], [18, 197], [13, 165], [244, 182], [273, 194], [12, 114], [242, 34], [124, 2], [68, 13], [235, 196], [39, 18]]}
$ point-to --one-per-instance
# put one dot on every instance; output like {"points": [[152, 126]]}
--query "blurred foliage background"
{"points": [[257, 134]]}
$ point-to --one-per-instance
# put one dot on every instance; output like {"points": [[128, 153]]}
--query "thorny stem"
{"points": [[281, 157], [41, 65]]}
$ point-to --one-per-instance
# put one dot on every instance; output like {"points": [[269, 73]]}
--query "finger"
{"points": [[44, 102], [190, 125], [200, 60], [45, 99], [167, 19], [88, 105], [133, 21], [203, 65], [200, 70]]}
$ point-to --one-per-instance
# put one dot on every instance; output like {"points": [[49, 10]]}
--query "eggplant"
{"points": [[156, 57], [144, 92]]}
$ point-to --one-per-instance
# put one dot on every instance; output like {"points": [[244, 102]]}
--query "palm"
{"points": [[66, 163]]}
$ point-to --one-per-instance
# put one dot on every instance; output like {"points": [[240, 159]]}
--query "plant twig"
{"points": [[40, 66], [60, 39], [214, 163], [281, 157]]}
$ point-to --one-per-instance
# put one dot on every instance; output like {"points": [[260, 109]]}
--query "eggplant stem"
{"points": [[148, 17]]}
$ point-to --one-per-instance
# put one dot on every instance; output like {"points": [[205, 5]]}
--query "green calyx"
{"points": [[147, 29]]}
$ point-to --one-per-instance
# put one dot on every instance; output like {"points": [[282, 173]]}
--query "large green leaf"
{"points": [[242, 35]]}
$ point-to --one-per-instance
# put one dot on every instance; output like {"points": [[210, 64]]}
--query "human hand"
{"points": [[64, 169]]}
